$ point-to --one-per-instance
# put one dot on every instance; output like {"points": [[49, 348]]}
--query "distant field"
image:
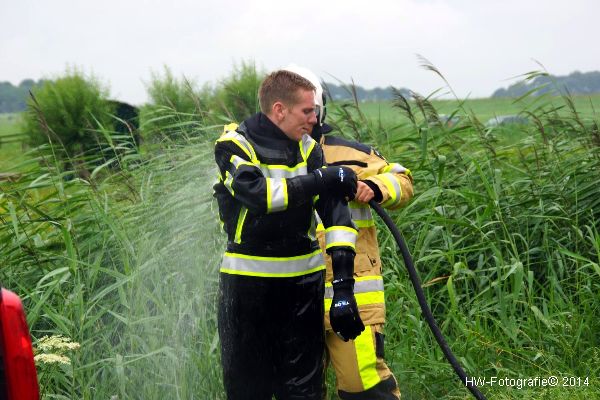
{"points": [[484, 109], [8, 123], [10, 153]]}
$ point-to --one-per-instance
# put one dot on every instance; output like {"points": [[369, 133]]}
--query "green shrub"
{"points": [[179, 109], [175, 105], [237, 95], [67, 112]]}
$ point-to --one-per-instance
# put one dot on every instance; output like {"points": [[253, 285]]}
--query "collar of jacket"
{"points": [[263, 132]]}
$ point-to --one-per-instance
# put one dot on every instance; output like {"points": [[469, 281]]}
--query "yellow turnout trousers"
{"points": [[360, 369]]}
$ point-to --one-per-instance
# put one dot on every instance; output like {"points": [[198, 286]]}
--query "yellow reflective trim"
{"points": [[393, 187], [368, 278], [269, 275], [244, 264], [320, 227], [240, 224], [341, 228], [266, 258], [230, 127], [364, 223], [348, 244], [390, 186], [312, 142], [237, 161], [361, 279], [370, 298], [362, 299], [284, 167], [340, 236], [367, 359], [269, 195], [396, 169], [246, 149], [241, 146], [301, 145], [276, 194]]}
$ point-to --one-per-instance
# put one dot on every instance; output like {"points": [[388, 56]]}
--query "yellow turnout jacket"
{"points": [[396, 186]]}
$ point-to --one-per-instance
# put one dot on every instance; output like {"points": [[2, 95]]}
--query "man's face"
{"points": [[300, 118]]}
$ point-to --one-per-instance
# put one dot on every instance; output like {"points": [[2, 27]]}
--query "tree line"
{"points": [[542, 83], [14, 98]]}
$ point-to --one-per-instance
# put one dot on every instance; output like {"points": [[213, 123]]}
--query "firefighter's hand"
{"points": [[338, 181], [343, 315], [364, 193]]}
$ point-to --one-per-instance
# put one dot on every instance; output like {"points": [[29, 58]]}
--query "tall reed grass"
{"points": [[124, 264], [506, 241]]}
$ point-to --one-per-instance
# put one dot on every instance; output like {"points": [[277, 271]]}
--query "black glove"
{"points": [[343, 315], [337, 181]]}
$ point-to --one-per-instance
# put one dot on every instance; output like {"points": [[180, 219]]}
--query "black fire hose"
{"points": [[414, 278]]}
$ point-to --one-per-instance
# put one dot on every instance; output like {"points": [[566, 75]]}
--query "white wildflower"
{"points": [[56, 343], [45, 358]]}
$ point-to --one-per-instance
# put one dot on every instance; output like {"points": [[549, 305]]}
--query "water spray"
{"points": [[416, 282]]}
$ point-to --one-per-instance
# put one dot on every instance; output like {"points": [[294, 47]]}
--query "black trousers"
{"points": [[272, 336]]}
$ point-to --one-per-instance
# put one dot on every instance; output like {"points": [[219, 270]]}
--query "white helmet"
{"points": [[319, 95]]}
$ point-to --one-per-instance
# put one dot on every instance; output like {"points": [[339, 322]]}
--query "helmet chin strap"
{"points": [[323, 112], [317, 132]]}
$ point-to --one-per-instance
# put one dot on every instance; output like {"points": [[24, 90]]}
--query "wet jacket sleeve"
{"points": [[394, 181], [340, 232], [239, 172]]}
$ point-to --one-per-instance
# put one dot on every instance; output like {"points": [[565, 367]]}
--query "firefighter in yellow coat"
{"points": [[359, 364]]}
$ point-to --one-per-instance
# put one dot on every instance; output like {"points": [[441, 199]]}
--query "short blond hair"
{"points": [[281, 86]]}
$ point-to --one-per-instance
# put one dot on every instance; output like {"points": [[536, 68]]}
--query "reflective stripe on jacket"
{"points": [[395, 184], [269, 220]]}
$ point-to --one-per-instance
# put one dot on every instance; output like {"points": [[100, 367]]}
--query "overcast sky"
{"points": [[478, 45]]}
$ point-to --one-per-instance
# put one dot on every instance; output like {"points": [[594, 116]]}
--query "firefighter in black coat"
{"points": [[272, 178]]}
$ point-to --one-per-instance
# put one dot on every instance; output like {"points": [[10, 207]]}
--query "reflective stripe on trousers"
{"points": [[360, 368], [367, 290]]}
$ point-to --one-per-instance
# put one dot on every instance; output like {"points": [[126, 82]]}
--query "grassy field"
{"points": [[503, 231], [11, 154], [485, 109]]}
